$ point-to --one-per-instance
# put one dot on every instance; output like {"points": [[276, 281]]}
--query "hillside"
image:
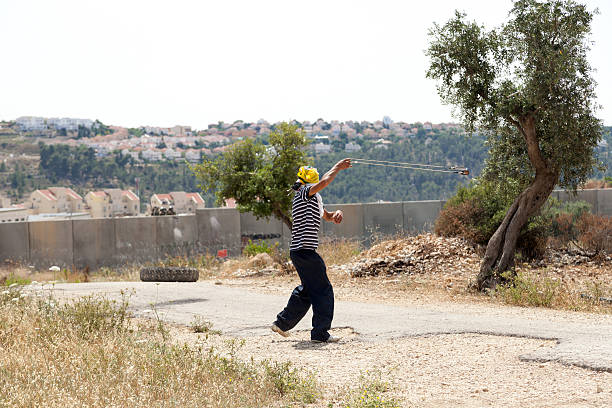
{"points": [[29, 162]]}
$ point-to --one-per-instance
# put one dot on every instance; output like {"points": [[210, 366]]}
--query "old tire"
{"points": [[169, 274]]}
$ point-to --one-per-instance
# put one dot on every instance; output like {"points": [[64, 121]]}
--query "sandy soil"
{"points": [[463, 370]]}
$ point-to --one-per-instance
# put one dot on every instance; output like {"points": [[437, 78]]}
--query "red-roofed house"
{"points": [[55, 200], [112, 202], [182, 202]]}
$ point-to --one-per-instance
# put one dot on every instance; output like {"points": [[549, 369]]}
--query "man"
{"points": [[316, 290]]}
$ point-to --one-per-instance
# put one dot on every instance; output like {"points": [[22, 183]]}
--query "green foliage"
{"points": [[80, 166], [91, 340], [199, 325], [532, 68], [562, 217], [289, 381], [90, 316], [84, 132], [526, 290], [476, 212], [14, 279], [256, 176], [136, 132], [363, 183], [370, 393], [99, 128], [254, 248]]}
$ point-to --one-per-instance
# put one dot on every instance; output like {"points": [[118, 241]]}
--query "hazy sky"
{"points": [[163, 63]]}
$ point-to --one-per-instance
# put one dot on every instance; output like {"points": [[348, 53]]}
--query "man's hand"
{"points": [[337, 217], [343, 164]]}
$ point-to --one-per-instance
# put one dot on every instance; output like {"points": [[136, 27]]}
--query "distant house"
{"points": [[171, 154], [151, 155], [229, 203], [98, 204], [28, 123], [352, 147], [193, 156], [112, 202], [182, 202], [382, 143], [321, 148], [55, 200]]}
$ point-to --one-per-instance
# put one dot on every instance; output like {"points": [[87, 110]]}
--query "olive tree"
{"points": [[528, 86], [258, 176]]}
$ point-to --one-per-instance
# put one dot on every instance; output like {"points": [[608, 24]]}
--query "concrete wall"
{"points": [[269, 230], [352, 226], [604, 202], [14, 241], [219, 228], [50, 243], [135, 239], [421, 215], [94, 243], [382, 219], [176, 235], [100, 242]]}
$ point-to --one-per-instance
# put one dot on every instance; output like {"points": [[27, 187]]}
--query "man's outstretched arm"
{"points": [[329, 176]]}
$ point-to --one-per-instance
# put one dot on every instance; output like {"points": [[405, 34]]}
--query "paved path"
{"points": [[583, 340]]}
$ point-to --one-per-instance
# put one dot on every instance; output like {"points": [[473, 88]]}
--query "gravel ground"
{"points": [[460, 370]]}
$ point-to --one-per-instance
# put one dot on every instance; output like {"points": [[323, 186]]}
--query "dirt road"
{"points": [[468, 355]]}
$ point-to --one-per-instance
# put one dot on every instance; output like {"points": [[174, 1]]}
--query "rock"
{"points": [[426, 253], [260, 261]]}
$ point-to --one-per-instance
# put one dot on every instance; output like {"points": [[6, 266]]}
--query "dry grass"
{"points": [[545, 288], [87, 353], [338, 251]]}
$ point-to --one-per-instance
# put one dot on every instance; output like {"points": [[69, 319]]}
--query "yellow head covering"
{"points": [[308, 175]]}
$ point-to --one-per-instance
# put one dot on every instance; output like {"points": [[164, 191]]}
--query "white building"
{"points": [[182, 202], [151, 155], [193, 156], [171, 154], [69, 123], [322, 148], [55, 200], [31, 123], [352, 147]]}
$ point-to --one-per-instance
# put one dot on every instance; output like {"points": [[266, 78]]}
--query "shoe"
{"points": [[278, 330], [330, 339]]}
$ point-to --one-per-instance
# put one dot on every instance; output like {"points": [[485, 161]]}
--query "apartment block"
{"points": [[182, 202], [112, 202], [55, 200]]}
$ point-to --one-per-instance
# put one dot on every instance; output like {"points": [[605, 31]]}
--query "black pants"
{"points": [[315, 290]]}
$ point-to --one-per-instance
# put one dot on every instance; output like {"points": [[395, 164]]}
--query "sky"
{"points": [[165, 63]]}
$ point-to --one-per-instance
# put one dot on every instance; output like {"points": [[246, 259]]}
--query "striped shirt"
{"points": [[306, 212]]}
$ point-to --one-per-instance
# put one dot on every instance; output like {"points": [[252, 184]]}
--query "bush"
{"points": [[476, 211], [254, 248], [595, 233]]}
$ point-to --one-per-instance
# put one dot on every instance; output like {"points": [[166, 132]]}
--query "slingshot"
{"points": [[413, 166]]}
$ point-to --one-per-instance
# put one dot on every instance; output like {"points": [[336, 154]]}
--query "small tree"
{"points": [[528, 86], [257, 176]]}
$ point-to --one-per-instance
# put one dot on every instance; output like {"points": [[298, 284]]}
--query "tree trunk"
{"points": [[499, 255], [284, 218]]}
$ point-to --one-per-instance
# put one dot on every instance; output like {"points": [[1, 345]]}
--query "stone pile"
{"points": [[423, 254]]}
